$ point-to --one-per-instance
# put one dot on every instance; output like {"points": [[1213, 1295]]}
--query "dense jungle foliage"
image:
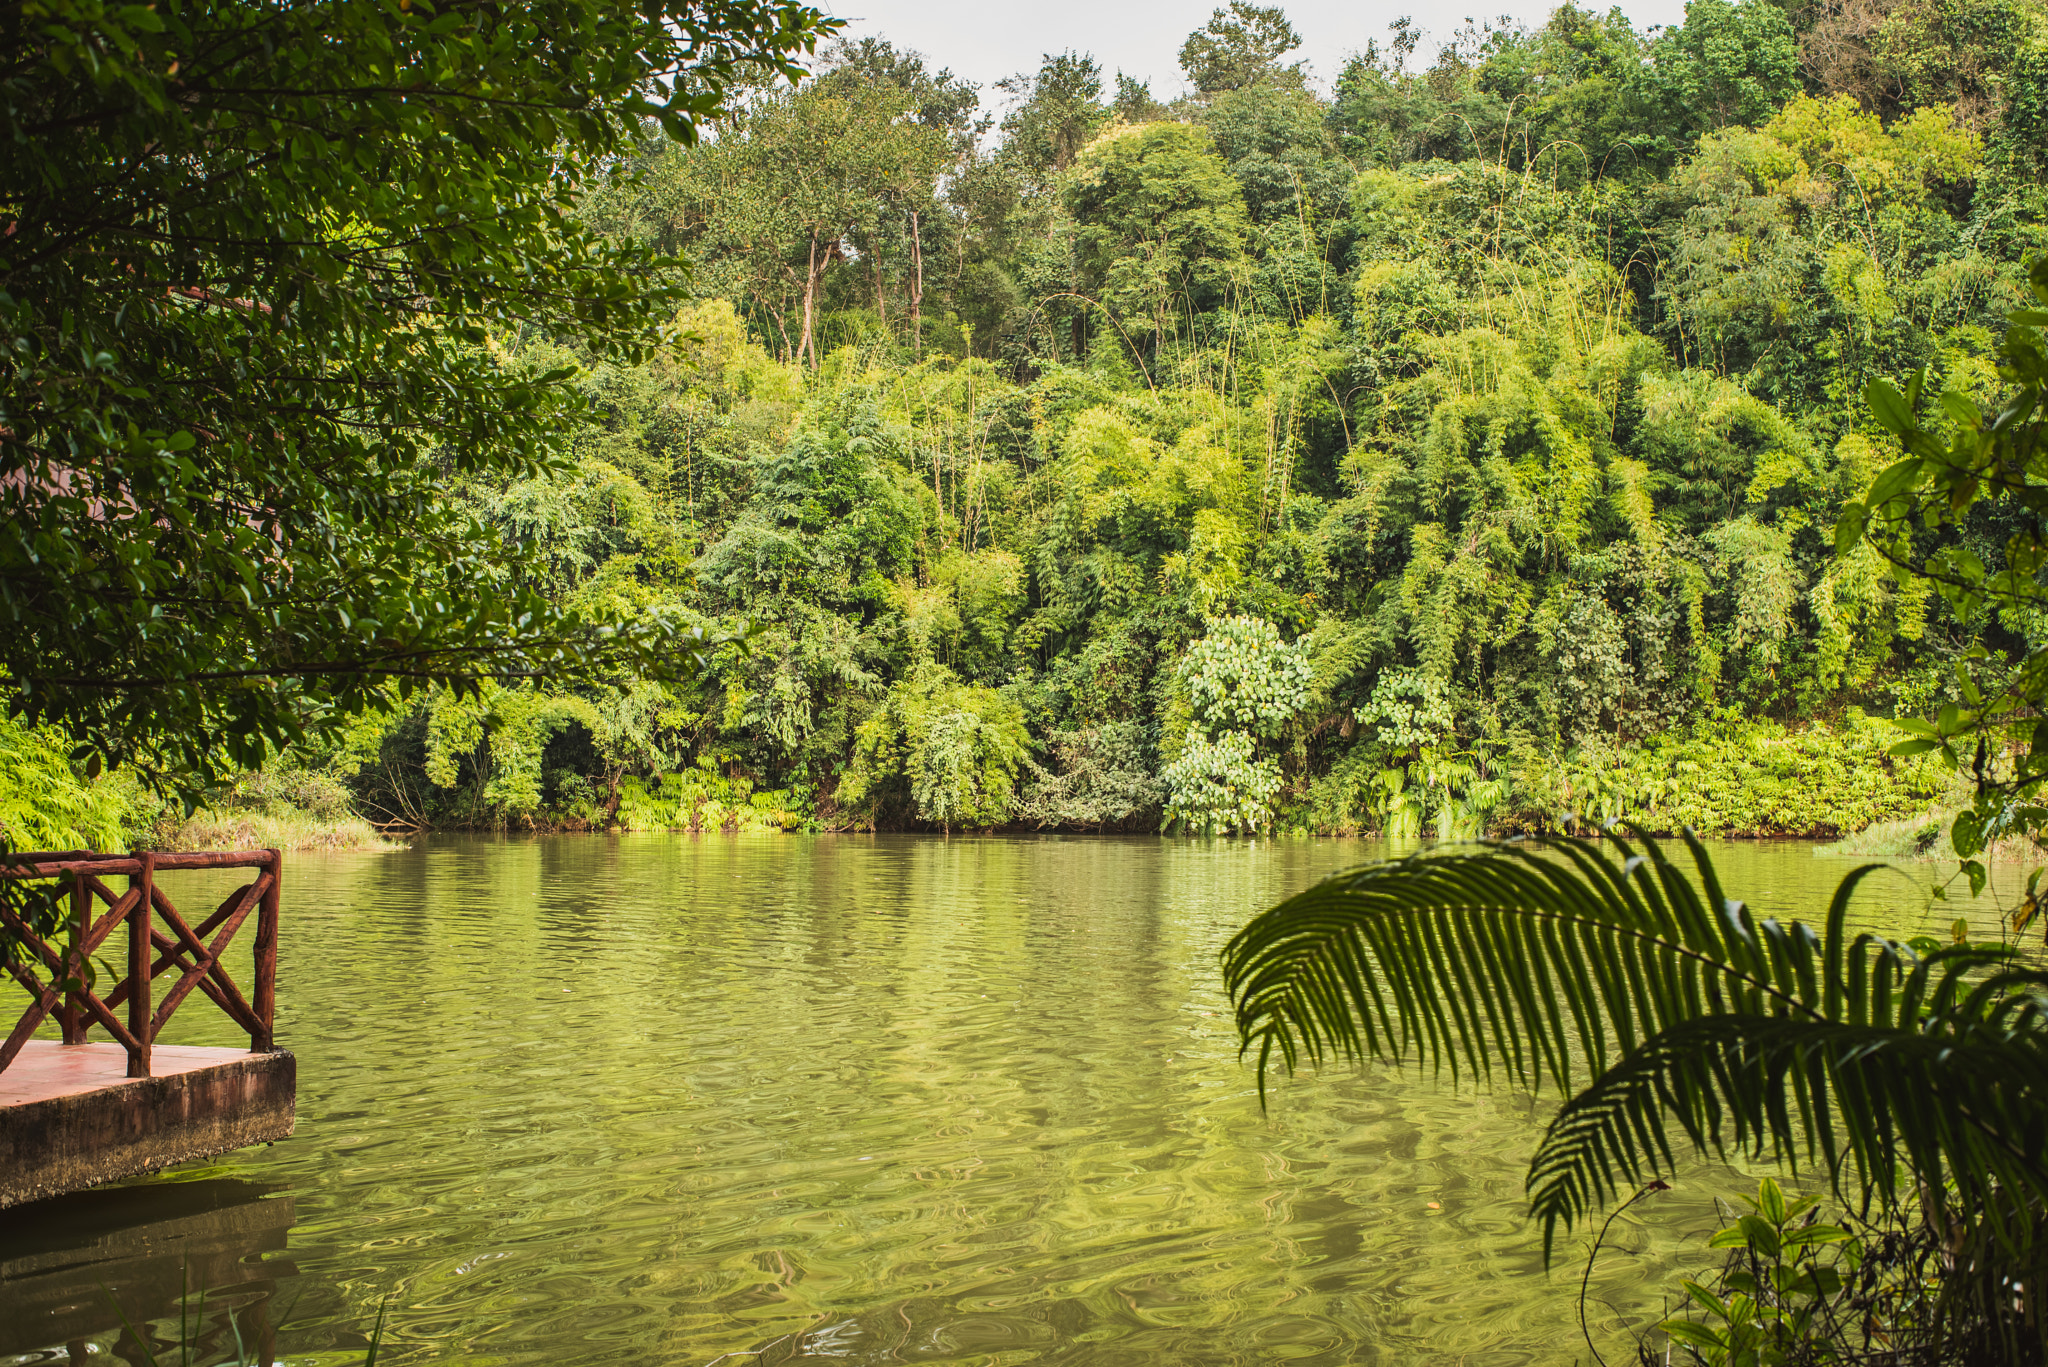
{"points": [[1452, 450]]}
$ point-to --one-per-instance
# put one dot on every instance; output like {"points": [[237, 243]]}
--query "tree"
{"points": [[1134, 102], [1382, 112], [1238, 47], [1275, 143], [1159, 220], [1058, 111], [1783, 246], [905, 221], [1966, 460], [1730, 62], [802, 182], [938, 99], [1665, 1012], [944, 751], [257, 262]]}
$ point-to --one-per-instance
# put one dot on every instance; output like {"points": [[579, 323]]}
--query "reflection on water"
{"points": [[875, 1100], [87, 1273]]}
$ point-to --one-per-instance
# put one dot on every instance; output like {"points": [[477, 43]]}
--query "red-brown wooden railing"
{"points": [[160, 941]]}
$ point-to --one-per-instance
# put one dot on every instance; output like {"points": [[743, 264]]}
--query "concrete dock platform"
{"points": [[70, 1117]]}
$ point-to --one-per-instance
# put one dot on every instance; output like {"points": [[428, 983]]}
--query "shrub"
{"points": [[937, 751], [1736, 778], [45, 804], [701, 799], [1242, 677], [1242, 683], [1106, 776], [1217, 787]]}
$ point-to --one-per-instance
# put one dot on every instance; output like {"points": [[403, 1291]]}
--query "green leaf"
{"points": [[1961, 409], [1704, 1298], [1849, 527], [1819, 1281], [1889, 407], [1894, 480], [1694, 1335], [1760, 1233], [1696, 1024], [1817, 1234], [1966, 833]]}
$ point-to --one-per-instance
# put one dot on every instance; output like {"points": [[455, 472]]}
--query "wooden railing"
{"points": [[57, 972]]}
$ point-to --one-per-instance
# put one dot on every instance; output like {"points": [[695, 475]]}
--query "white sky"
{"points": [[986, 40]]}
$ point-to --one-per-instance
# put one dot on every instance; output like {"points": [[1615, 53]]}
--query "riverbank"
{"points": [[1729, 777], [282, 809], [1925, 836], [47, 804], [207, 829]]}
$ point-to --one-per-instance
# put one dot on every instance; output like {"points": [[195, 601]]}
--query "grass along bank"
{"points": [[1925, 835], [48, 803], [285, 809]]}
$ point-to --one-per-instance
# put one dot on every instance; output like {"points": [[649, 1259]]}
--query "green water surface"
{"points": [[677, 1100]]}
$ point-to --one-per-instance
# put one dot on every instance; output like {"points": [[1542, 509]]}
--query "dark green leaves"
{"points": [[1964, 465], [1849, 528], [255, 260], [1895, 480]]}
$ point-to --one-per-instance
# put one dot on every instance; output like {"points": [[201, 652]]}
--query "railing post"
{"points": [[266, 959], [143, 885], [71, 1015]]}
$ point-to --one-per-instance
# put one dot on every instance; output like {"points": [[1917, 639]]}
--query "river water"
{"points": [[738, 1101]]}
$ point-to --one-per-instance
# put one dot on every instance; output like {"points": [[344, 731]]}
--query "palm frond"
{"points": [[1959, 1114], [1691, 1020]]}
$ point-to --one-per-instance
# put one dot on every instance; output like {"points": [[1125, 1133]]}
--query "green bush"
{"points": [[701, 799], [937, 751], [1242, 684], [1735, 777], [1106, 775], [46, 804], [1725, 777], [285, 807], [1242, 677], [1218, 787]]}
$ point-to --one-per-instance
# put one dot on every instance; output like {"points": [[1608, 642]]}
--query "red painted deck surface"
{"points": [[45, 1069]]}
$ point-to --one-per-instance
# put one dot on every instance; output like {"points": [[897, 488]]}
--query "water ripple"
{"points": [[734, 1102]]}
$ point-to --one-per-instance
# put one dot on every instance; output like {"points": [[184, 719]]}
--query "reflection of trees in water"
{"points": [[68, 1263]]}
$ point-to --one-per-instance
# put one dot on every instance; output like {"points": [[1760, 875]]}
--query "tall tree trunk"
{"points": [[810, 295], [782, 327], [916, 290], [881, 294], [781, 324]]}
